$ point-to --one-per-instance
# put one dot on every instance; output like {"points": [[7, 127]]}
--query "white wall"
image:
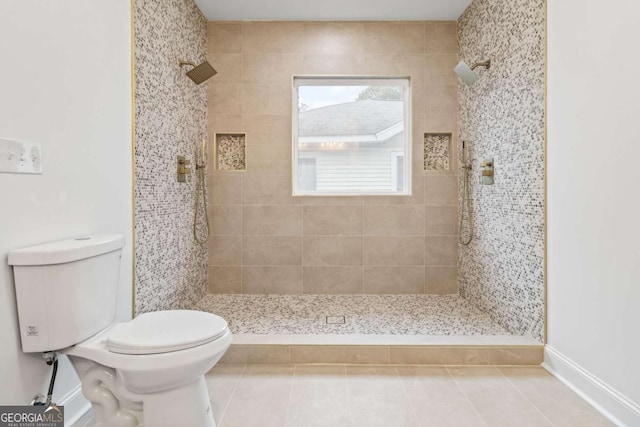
{"points": [[594, 201], [65, 82]]}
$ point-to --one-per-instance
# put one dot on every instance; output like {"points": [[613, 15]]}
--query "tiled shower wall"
{"points": [[266, 241], [502, 117], [170, 267]]}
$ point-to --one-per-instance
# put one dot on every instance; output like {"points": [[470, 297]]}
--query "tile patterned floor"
{"points": [[393, 396], [364, 314]]}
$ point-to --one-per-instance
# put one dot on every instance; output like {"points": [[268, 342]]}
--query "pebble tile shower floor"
{"points": [[363, 314]]}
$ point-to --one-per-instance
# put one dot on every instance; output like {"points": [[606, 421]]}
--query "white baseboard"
{"points": [[612, 404], [77, 409]]}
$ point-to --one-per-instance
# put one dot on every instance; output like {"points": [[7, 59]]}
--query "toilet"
{"points": [[148, 371]]}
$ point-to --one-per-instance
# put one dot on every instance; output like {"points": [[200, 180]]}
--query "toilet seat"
{"points": [[165, 331]]}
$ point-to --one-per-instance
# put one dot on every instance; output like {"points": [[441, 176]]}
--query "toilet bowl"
{"points": [[148, 371], [154, 368]]}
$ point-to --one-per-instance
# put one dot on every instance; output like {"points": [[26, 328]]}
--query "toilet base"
{"points": [[115, 406], [188, 405]]}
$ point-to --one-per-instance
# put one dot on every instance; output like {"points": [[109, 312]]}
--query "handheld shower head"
{"points": [[467, 74], [199, 73]]}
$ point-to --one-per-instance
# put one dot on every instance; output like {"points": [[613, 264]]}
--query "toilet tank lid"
{"points": [[68, 250]]}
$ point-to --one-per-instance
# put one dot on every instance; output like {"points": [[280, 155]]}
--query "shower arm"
{"points": [[183, 63], [486, 64]]}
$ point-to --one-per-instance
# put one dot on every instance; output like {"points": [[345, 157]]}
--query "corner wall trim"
{"points": [[76, 408], [618, 408]]}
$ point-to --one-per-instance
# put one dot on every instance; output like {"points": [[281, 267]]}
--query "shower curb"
{"points": [[274, 349]]}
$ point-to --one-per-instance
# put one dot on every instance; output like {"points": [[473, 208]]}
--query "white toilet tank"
{"points": [[66, 291]]}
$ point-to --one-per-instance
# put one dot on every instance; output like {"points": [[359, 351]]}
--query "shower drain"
{"points": [[336, 320]]}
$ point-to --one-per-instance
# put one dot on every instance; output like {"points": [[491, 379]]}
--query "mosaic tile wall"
{"points": [[502, 116], [437, 151], [230, 151], [267, 242], [170, 114]]}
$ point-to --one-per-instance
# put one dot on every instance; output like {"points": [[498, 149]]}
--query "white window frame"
{"points": [[403, 81]]}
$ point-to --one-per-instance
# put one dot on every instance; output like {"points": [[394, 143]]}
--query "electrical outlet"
{"points": [[20, 157]]}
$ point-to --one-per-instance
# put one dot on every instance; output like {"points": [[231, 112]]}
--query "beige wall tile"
{"points": [[441, 37], [286, 36], [394, 220], [280, 130], [255, 38], [272, 220], [224, 98], [228, 66], [441, 250], [256, 354], [271, 250], [255, 99], [339, 354], [225, 220], [393, 280], [256, 127], [394, 37], [440, 123], [441, 99], [517, 355], [224, 279], [224, 189], [328, 64], [439, 355], [441, 190], [272, 280], [258, 67], [332, 280], [332, 200], [280, 99], [267, 189], [332, 250], [394, 250], [441, 280], [225, 250], [269, 158], [252, 94], [416, 197], [439, 69], [441, 220], [224, 38], [222, 123], [332, 37], [332, 220]]}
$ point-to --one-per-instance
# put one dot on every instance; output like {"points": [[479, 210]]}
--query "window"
{"points": [[351, 136]]}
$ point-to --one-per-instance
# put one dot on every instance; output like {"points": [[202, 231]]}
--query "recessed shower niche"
{"points": [[437, 151], [230, 151]]}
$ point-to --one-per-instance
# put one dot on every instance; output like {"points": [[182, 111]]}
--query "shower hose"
{"points": [[200, 190]]}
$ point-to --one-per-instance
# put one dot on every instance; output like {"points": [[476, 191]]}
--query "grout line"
{"points": [[233, 392], [293, 377], [465, 395], [525, 396], [406, 393]]}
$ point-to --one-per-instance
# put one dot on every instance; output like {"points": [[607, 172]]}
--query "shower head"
{"points": [[467, 74], [199, 73]]}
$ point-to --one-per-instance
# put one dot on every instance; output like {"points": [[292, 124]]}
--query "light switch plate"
{"points": [[20, 157]]}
